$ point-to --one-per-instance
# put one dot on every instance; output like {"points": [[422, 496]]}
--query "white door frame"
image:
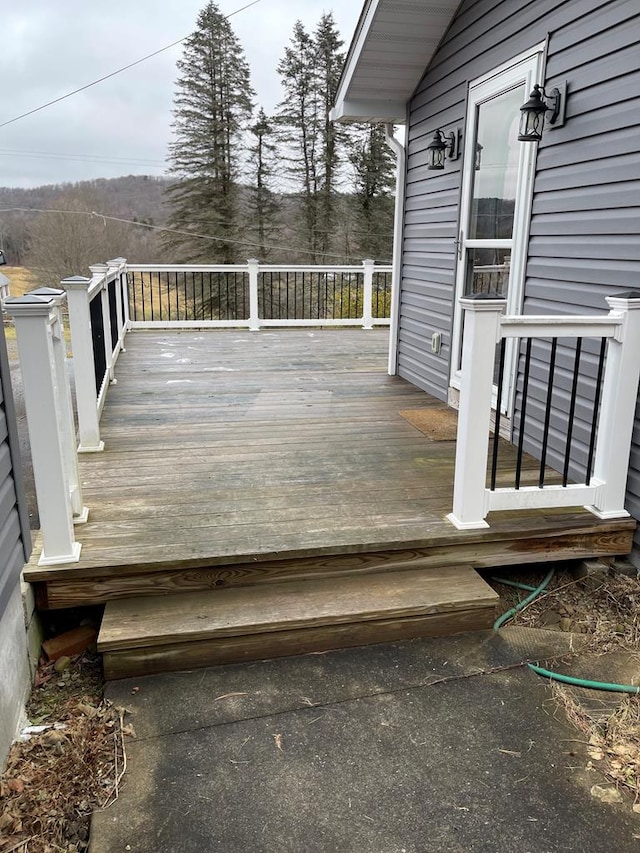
{"points": [[523, 69]]}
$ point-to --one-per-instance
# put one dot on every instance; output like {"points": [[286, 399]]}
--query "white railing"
{"points": [[98, 318], [47, 397], [603, 492], [100, 314], [255, 295]]}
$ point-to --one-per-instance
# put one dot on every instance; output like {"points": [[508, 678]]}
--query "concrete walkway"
{"points": [[449, 745]]}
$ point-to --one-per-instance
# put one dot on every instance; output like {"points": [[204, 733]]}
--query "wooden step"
{"points": [[192, 629]]}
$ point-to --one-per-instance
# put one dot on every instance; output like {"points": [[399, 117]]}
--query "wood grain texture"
{"points": [[236, 458], [169, 657], [533, 549], [144, 622]]}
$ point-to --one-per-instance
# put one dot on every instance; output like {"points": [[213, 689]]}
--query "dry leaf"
{"points": [[606, 795], [278, 740]]}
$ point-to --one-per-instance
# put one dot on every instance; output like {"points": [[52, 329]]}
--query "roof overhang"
{"points": [[393, 43]]}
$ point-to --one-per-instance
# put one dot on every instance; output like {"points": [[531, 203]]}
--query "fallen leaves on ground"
{"points": [[605, 607], [70, 765]]}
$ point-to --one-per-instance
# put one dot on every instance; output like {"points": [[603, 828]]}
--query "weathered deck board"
{"points": [[140, 635], [244, 449]]}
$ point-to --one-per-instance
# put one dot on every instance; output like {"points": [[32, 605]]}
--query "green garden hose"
{"points": [[547, 673], [581, 682], [536, 592]]}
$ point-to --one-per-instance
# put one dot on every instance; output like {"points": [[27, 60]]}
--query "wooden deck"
{"points": [[236, 457]]}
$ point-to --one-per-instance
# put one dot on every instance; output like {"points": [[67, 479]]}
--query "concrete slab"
{"points": [[408, 748], [242, 691]]}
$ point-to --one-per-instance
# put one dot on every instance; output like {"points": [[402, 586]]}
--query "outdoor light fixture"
{"points": [[532, 114], [443, 145]]}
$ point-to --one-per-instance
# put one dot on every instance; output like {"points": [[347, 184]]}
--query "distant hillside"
{"points": [[138, 197], [133, 195]]}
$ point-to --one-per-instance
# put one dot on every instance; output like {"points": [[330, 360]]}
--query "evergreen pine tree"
{"points": [[263, 206], [310, 72], [212, 107], [332, 137], [373, 166], [298, 124]]}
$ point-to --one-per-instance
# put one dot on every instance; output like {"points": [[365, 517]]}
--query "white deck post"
{"points": [[41, 349], [481, 333], [77, 288], [367, 295], [254, 318], [617, 409]]}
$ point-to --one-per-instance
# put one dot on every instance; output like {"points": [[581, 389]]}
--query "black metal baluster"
{"points": [[596, 406], [113, 313], [547, 413], [496, 429], [572, 410], [333, 303], [523, 411], [175, 287], [151, 296], [133, 307]]}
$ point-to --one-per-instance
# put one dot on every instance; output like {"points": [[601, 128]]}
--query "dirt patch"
{"points": [[70, 763], [605, 609]]}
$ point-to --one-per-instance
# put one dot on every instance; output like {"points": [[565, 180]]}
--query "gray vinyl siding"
{"points": [[483, 35], [585, 218], [586, 208], [15, 539]]}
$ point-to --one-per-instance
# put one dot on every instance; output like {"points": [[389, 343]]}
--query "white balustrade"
{"points": [[604, 492], [47, 398], [87, 342], [147, 298]]}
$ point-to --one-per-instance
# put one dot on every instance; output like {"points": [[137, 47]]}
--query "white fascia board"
{"points": [[388, 112], [353, 57]]}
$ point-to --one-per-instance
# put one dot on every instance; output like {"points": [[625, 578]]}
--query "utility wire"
{"points": [[113, 73], [83, 158], [106, 216]]}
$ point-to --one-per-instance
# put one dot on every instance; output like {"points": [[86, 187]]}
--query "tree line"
{"points": [[292, 186]]}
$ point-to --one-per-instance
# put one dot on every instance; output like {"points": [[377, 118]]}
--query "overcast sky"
{"points": [[50, 48]]}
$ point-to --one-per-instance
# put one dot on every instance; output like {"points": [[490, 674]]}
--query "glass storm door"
{"points": [[495, 200]]}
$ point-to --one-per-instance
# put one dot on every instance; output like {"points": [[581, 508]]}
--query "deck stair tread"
{"points": [[147, 622]]}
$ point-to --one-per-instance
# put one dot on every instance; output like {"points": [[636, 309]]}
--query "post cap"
{"points": [[30, 305], [77, 279], [627, 295], [47, 291], [55, 293], [483, 302]]}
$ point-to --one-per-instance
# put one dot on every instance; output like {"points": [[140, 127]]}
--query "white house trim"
{"points": [[393, 44]]}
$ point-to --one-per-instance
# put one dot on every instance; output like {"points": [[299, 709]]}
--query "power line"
{"points": [[113, 73], [83, 158], [106, 216]]}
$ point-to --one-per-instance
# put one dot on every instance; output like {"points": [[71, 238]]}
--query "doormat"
{"points": [[436, 424]]}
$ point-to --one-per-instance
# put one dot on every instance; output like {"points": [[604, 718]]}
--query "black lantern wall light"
{"points": [[444, 145], [532, 114]]}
